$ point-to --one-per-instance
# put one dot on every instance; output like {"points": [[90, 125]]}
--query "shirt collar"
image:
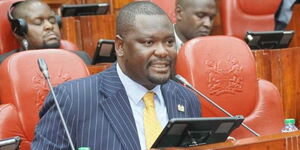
{"points": [[134, 90]]}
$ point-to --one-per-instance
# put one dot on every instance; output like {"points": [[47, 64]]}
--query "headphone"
{"points": [[19, 26]]}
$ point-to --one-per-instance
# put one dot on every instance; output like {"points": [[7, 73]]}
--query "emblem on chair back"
{"points": [[224, 76], [41, 86]]}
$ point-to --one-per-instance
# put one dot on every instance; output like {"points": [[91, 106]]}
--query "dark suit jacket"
{"points": [[98, 113]]}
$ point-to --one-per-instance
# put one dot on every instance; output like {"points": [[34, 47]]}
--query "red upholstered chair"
{"points": [[240, 16], [167, 5], [223, 68], [8, 42], [64, 44], [23, 88]]}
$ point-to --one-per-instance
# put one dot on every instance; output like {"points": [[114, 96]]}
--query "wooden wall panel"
{"points": [[85, 31], [71, 30], [282, 68], [55, 4], [118, 4], [94, 28], [295, 25]]}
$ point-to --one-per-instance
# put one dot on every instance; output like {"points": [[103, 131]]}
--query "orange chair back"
{"points": [[23, 85], [223, 68], [167, 5], [7, 40], [240, 16]]}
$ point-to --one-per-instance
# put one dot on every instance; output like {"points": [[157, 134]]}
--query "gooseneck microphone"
{"points": [[182, 80], [44, 69], [25, 44]]}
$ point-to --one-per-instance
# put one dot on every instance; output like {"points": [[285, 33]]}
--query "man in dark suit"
{"points": [[111, 110]]}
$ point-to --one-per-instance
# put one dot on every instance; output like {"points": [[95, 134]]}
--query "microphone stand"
{"points": [[44, 69], [186, 83]]}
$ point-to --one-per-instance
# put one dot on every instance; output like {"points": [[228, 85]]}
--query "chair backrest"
{"points": [[167, 5], [8, 42], [23, 85], [64, 44], [223, 68], [240, 16]]}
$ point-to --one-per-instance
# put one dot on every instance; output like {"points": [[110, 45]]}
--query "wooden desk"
{"points": [[284, 141], [282, 68]]}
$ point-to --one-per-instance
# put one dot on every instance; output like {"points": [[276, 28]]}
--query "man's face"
{"points": [[197, 18], [148, 50], [43, 30]]}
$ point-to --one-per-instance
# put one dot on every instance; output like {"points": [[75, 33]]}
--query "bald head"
{"points": [[27, 6], [127, 15], [188, 3]]}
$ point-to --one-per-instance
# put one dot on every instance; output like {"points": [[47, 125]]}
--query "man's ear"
{"points": [[119, 46], [19, 38], [178, 12]]}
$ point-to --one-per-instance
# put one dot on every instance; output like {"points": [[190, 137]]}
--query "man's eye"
{"points": [[148, 43], [170, 43], [201, 15], [37, 21], [52, 20]]}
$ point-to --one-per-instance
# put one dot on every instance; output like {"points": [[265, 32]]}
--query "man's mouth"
{"points": [[51, 36], [160, 66], [204, 33]]}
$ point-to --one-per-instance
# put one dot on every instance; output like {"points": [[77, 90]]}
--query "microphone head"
{"points": [[182, 80], [43, 67]]}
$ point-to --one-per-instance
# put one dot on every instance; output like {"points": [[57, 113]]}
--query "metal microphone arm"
{"points": [[44, 69], [185, 82]]}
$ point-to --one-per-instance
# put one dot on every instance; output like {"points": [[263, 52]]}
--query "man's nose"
{"points": [[161, 51], [207, 21], [48, 25]]}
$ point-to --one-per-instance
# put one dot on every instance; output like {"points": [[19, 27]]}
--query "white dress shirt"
{"points": [[178, 41]]}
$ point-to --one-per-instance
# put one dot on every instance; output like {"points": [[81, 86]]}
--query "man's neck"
{"points": [[179, 34]]}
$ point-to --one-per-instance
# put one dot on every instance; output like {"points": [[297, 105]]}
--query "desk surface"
{"points": [[283, 141]]}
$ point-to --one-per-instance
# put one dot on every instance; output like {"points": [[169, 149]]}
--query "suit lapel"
{"points": [[117, 109], [175, 103]]}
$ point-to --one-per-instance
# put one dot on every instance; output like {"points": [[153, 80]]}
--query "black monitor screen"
{"points": [[186, 132], [105, 52], [84, 9], [268, 39]]}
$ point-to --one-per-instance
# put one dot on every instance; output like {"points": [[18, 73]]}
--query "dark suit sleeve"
{"points": [[50, 133]]}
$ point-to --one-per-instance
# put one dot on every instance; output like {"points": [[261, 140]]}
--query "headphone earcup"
{"points": [[58, 20], [19, 27]]}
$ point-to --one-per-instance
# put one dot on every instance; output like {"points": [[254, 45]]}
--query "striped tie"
{"points": [[152, 126]]}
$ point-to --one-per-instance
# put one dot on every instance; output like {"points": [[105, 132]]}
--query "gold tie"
{"points": [[152, 126]]}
